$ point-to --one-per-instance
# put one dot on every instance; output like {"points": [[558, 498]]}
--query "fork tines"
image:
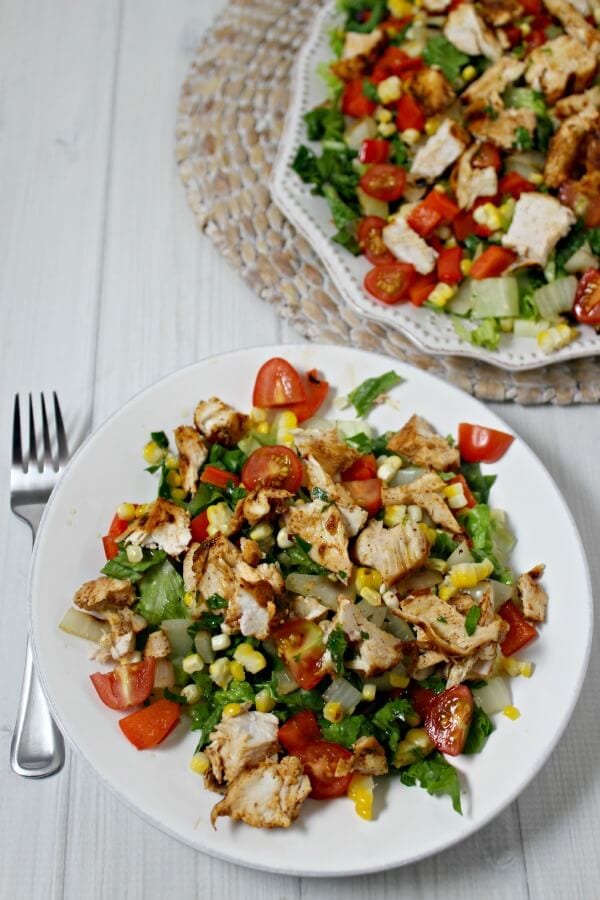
{"points": [[47, 459]]}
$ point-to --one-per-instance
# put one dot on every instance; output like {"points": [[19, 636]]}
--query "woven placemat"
{"points": [[230, 118]]}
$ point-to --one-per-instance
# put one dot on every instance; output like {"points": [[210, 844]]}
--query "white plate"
{"points": [[433, 332], [158, 784]]}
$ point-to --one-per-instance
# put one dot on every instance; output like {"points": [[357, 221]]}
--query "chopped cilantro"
{"points": [[215, 601], [440, 52], [523, 140], [160, 439], [337, 644], [370, 91]]}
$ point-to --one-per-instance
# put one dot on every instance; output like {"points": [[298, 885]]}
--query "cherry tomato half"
{"points": [[479, 444], [320, 760], [362, 469], [300, 645], [126, 685], [520, 631], [448, 719], [299, 730], [390, 283], [374, 150], [586, 305], [276, 467], [149, 726], [366, 493], [370, 240], [384, 181], [277, 384]]}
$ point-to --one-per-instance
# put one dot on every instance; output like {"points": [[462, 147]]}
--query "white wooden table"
{"points": [[105, 286]]}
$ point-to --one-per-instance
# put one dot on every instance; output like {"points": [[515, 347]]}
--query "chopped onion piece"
{"points": [[342, 692], [82, 625], [177, 632], [555, 298], [203, 645], [462, 554], [417, 582], [405, 476], [348, 428], [398, 627], [375, 614], [493, 696], [319, 586], [581, 260], [164, 675], [285, 682]]}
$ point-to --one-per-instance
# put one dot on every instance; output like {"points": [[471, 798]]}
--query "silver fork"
{"points": [[37, 748]]}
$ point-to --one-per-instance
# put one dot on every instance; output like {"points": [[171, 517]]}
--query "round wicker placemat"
{"points": [[230, 118]]}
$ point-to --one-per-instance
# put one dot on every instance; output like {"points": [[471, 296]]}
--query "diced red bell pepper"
{"points": [[448, 265], [374, 150], [492, 262], [354, 101], [421, 289], [218, 477], [464, 224], [441, 203], [514, 184], [431, 212], [409, 114], [199, 527], [395, 62], [520, 631], [117, 527]]}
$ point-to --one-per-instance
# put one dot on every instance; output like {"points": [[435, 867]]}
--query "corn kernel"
{"points": [[238, 673], [525, 29], [188, 598], [429, 532], [126, 511], [260, 532], [372, 597], [368, 692], [220, 672], [450, 242], [414, 746], [231, 710], [220, 642], [219, 519], [514, 667], [134, 553], [511, 712], [368, 578], [389, 90], [388, 468], [192, 663], [446, 590], [254, 662], [397, 680], [394, 515], [458, 502], [465, 266], [467, 575], [262, 428], [174, 478], [488, 215], [171, 462], [142, 509], [507, 325], [199, 763], [283, 539], [556, 337], [264, 701], [360, 791], [410, 136], [401, 9], [153, 454], [191, 693], [383, 115], [333, 711], [285, 422], [536, 178], [441, 294], [440, 188], [468, 73], [178, 494], [257, 415], [386, 129], [432, 125], [242, 652]]}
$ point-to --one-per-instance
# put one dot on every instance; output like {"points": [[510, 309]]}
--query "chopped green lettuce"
{"points": [[324, 123], [120, 567], [480, 729], [161, 594], [440, 52], [491, 538], [391, 720], [486, 334], [437, 777], [346, 732], [479, 484], [337, 644]]}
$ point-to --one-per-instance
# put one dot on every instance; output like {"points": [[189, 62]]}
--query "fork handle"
{"points": [[37, 748]]}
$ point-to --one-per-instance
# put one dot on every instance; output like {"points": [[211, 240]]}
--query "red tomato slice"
{"points": [[532, 7], [300, 645], [316, 391], [299, 730], [487, 156], [409, 114], [277, 384], [384, 182], [126, 685], [514, 184], [422, 699], [374, 150], [448, 719], [520, 631], [149, 726], [366, 493], [586, 305], [369, 233], [276, 467], [218, 477], [479, 444], [460, 479], [390, 283], [448, 265], [354, 101], [199, 527], [395, 62], [492, 262], [464, 224], [320, 760], [117, 527], [362, 469], [421, 289], [585, 201]]}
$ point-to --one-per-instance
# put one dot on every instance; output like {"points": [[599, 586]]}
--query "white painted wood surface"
{"points": [[105, 286]]}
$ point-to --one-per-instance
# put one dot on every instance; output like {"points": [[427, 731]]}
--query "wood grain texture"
{"points": [[105, 286]]}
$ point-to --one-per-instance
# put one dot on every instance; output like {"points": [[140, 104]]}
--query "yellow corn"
{"points": [[284, 423], [556, 337], [174, 479], [199, 763], [252, 660], [455, 495], [192, 663], [219, 519], [368, 692], [134, 553], [373, 598], [438, 565], [432, 125], [220, 672], [231, 710], [394, 515], [171, 462], [441, 294], [410, 136], [242, 652], [142, 509], [440, 188], [188, 598], [191, 693], [400, 8], [360, 791], [488, 215], [389, 90], [238, 673], [262, 428], [397, 680], [446, 590], [386, 129], [511, 712], [264, 702], [260, 532], [469, 73], [536, 178], [388, 467], [429, 532], [467, 575], [383, 115], [515, 667], [368, 578], [126, 511], [153, 454], [465, 266], [257, 415], [525, 29], [178, 494], [450, 242], [414, 746], [333, 711]]}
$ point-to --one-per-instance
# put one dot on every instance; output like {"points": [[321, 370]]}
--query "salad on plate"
{"points": [[459, 151], [324, 605]]}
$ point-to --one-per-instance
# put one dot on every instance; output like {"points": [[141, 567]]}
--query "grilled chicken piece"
{"points": [[471, 667], [393, 551], [267, 796], [193, 451], [104, 594], [432, 90], [469, 33], [500, 12], [560, 65], [369, 757], [250, 551], [333, 454], [578, 103], [316, 477], [408, 246], [539, 222], [158, 645], [376, 650], [118, 643], [258, 504], [208, 568], [532, 595], [438, 152], [574, 23], [166, 526], [487, 90], [420, 443], [241, 742], [357, 44], [503, 130], [324, 529], [565, 146], [424, 492], [218, 422], [472, 183], [436, 6], [444, 625], [252, 609]]}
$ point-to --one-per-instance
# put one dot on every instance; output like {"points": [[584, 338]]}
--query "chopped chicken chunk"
{"points": [[500, 12], [436, 6], [250, 551], [219, 422], [532, 595], [324, 529], [241, 742], [472, 183], [208, 568], [432, 90], [261, 503], [565, 146], [439, 152], [420, 443], [166, 526], [504, 128], [424, 492], [267, 796], [469, 33], [316, 477], [487, 90], [118, 643], [357, 44], [574, 23], [560, 65], [577, 103], [158, 645], [539, 222], [376, 650], [369, 757], [392, 551], [333, 454], [103, 594], [252, 609], [445, 625], [193, 452], [408, 246]]}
